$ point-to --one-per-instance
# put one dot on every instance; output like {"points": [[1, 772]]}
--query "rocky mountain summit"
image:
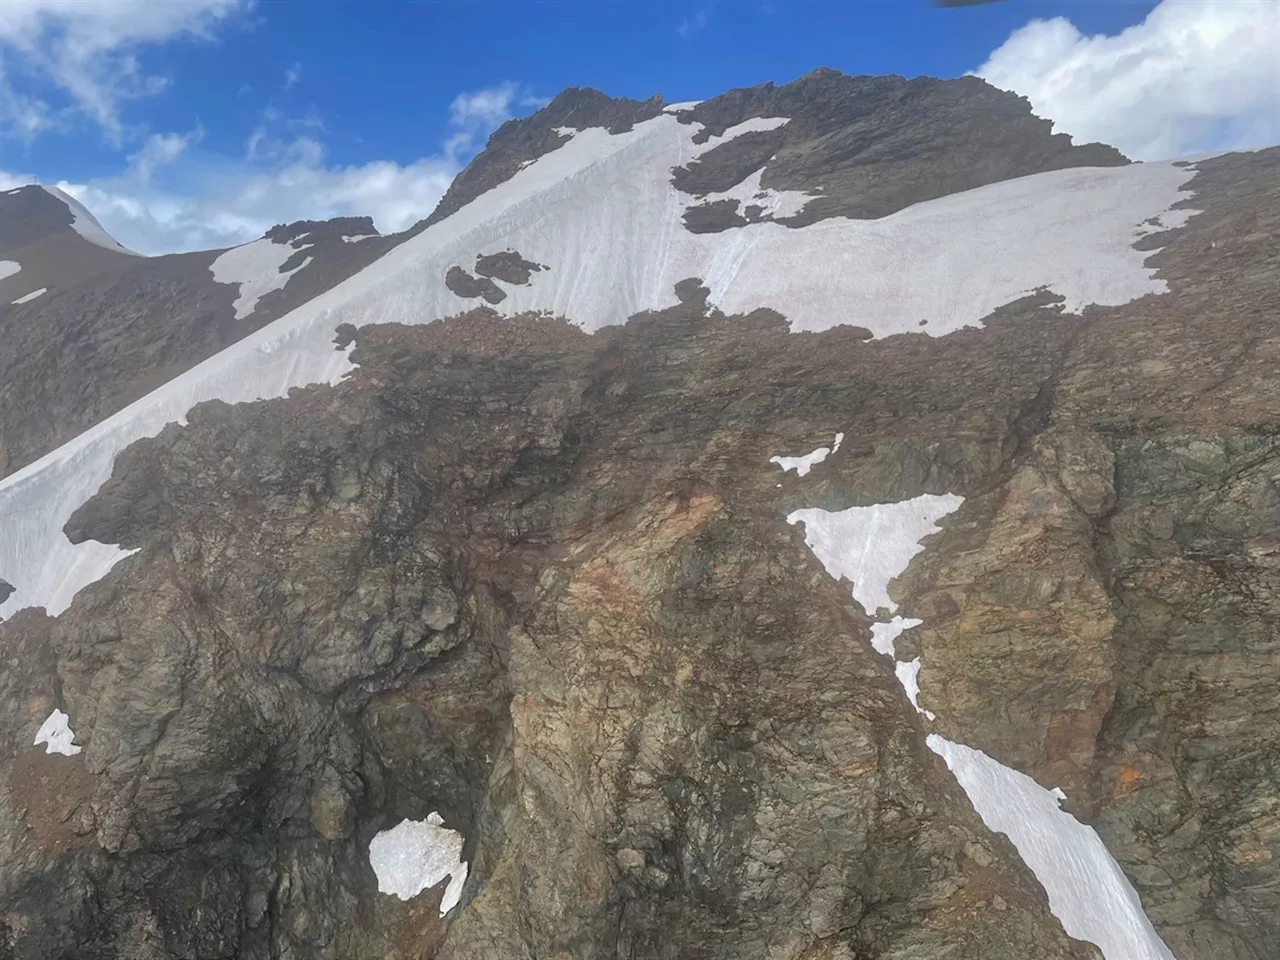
{"points": [[885, 569]]}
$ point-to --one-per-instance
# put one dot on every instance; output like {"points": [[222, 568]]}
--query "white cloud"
{"points": [[89, 51], [698, 21], [161, 149], [478, 113], [688, 26], [292, 76], [1193, 77], [171, 197], [221, 204]]}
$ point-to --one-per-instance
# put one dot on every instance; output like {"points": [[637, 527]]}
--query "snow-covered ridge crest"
{"points": [[86, 224], [951, 260]]}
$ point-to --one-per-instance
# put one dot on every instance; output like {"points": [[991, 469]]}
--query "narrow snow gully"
{"points": [[1087, 891]]}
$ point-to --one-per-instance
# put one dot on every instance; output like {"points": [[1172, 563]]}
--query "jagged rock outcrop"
{"points": [[642, 701], [866, 147]]}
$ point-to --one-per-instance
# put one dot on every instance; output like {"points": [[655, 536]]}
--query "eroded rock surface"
{"points": [[541, 582], [866, 147]]}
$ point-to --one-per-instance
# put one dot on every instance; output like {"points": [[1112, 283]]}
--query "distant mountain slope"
{"points": [[90, 327]]}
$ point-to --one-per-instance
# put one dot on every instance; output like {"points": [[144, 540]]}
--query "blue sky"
{"points": [[197, 123]]}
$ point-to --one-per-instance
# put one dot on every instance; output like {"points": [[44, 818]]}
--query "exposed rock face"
{"points": [[507, 266], [622, 677], [864, 146], [1109, 624], [541, 582], [868, 146], [471, 287]]}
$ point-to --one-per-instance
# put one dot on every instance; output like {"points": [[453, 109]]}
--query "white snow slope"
{"points": [[84, 223], [950, 261], [1087, 891], [255, 268], [8, 268]]}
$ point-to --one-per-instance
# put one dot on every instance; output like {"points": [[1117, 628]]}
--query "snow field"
{"points": [[8, 268], [951, 260], [415, 855], [1086, 889], [872, 545], [255, 268]]}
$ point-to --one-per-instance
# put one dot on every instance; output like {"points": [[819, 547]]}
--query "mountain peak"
{"points": [[33, 213]]}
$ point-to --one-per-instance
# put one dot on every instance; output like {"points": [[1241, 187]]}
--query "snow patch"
{"points": [[1087, 891], [775, 204], [57, 735], [84, 223], [885, 633], [753, 125], [255, 268], [8, 268], [27, 298], [908, 674], [873, 545], [680, 107], [415, 855], [358, 237], [802, 465], [951, 260]]}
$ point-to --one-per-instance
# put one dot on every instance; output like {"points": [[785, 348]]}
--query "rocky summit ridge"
{"points": [[830, 521]]}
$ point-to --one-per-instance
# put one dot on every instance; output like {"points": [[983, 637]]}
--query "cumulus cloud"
{"points": [[171, 197], [477, 114], [87, 51], [160, 149], [1193, 77], [221, 205]]}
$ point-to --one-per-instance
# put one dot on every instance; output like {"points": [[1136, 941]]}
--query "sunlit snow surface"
{"points": [[8, 268], [950, 260], [27, 298], [255, 269], [1087, 891], [415, 855], [872, 545], [57, 736], [86, 224]]}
